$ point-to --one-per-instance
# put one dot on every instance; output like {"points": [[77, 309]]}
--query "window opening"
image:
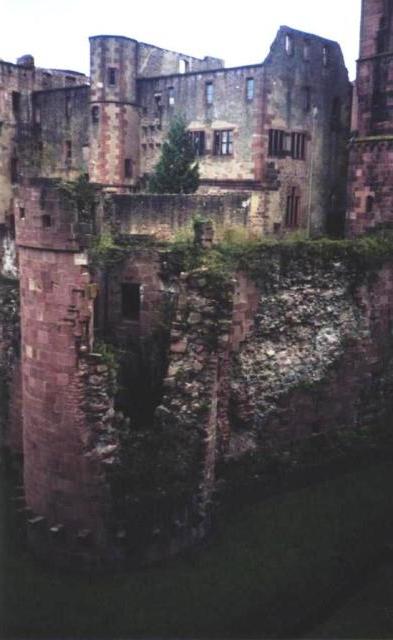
{"points": [[306, 99], [112, 76], [22, 213], [16, 103], [46, 221], [209, 92], [14, 170], [250, 89], [171, 96], [223, 143], [95, 114], [292, 209], [325, 56], [198, 142], [184, 66], [68, 150], [128, 168], [289, 45], [306, 51], [68, 107], [130, 300]]}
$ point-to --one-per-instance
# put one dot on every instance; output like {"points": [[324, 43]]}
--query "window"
{"points": [[112, 76], [171, 96], [292, 208], [298, 146], [198, 142], [10, 221], [128, 168], [16, 104], [289, 45], [68, 150], [95, 114], [184, 66], [223, 143], [306, 99], [209, 92], [325, 56], [46, 221], [306, 51], [68, 107], [283, 144], [369, 204], [14, 170], [22, 213], [249, 89], [130, 300]]}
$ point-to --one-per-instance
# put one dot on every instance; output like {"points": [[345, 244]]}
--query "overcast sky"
{"points": [[56, 31]]}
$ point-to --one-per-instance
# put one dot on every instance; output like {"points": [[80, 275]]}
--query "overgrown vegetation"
{"points": [[82, 194]]}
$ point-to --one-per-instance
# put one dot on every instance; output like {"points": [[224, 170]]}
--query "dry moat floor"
{"points": [[311, 562]]}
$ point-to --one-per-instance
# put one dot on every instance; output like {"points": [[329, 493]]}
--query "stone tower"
{"points": [[371, 153], [114, 115]]}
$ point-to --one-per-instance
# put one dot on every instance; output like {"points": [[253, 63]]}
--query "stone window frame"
{"points": [[95, 114], [198, 141], [171, 96], [209, 92], [250, 89], [223, 142], [293, 207], [112, 76]]}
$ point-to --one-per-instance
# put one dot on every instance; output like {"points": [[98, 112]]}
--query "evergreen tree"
{"points": [[176, 171]]}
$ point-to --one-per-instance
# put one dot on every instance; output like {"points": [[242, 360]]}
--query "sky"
{"points": [[56, 32]]}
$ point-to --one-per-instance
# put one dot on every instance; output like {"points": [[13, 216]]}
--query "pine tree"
{"points": [[176, 171]]}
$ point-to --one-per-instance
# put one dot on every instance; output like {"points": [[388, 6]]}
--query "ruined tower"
{"points": [[114, 115], [371, 153]]}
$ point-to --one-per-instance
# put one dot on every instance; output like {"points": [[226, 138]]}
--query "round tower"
{"points": [[114, 116]]}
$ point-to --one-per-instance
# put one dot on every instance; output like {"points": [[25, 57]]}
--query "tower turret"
{"points": [[114, 115]]}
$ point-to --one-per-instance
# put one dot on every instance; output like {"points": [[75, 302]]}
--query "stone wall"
{"points": [[162, 216]]}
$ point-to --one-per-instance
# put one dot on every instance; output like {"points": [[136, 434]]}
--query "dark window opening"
{"points": [[369, 204], [171, 96], [112, 76], [68, 107], [68, 150], [130, 301], [46, 221], [14, 170], [282, 144], [298, 146], [223, 143], [209, 92], [70, 80], [128, 168], [250, 89], [16, 104], [306, 99], [293, 207], [11, 225], [1, 127], [22, 213], [198, 142], [95, 114]]}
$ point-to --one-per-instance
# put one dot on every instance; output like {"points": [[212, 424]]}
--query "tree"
{"points": [[177, 170]]}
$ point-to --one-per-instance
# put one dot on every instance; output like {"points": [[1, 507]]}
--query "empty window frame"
{"points": [[369, 204], [68, 150], [112, 76], [306, 99], [198, 142], [171, 96], [46, 221], [95, 114], [184, 66], [292, 208], [298, 146], [289, 48], [130, 300], [250, 89], [223, 143], [22, 213], [128, 168], [15, 103], [209, 92], [14, 170]]}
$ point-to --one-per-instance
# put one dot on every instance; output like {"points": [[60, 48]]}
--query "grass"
{"points": [[271, 568]]}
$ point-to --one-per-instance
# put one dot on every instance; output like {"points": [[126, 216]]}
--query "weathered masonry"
{"points": [[371, 154], [277, 129]]}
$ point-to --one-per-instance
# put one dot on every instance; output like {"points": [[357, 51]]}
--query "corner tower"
{"points": [[371, 154], [114, 114]]}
